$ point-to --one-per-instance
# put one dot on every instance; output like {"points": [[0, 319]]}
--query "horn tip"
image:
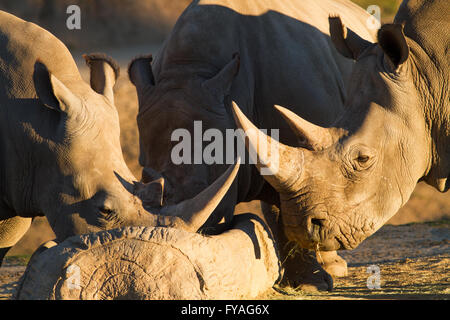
{"points": [[285, 112], [234, 105], [279, 108], [237, 114]]}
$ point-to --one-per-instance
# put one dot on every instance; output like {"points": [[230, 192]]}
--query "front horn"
{"points": [[308, 134], [286, 163], [191, 214]]}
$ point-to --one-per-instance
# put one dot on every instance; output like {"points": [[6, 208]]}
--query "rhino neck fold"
{"points": [[423, 24], [432, 81], [28, 158]]}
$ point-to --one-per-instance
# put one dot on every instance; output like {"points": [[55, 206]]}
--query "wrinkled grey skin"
{"points": [[395, 131], [286, 57], [60, 153]]}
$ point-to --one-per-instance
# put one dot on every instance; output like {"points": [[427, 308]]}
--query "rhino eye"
{"points": [[362, 158], [106, 210]]}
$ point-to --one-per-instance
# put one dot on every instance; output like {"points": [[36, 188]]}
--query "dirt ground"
{"points": [[412, 261]]}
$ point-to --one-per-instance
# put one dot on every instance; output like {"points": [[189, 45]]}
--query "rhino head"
{"points": [[175, 102], [90, 187], [346, 181]]}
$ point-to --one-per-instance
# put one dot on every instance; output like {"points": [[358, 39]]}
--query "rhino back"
{"points": [[284, 46], [21, 45]]}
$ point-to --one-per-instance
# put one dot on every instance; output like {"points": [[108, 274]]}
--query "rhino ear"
{"points": [[151, 193], [348, 43], [140, 72], [104, 73], [393, 42], [52, 92], [220, 85]]}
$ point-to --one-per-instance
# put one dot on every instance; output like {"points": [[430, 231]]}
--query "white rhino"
{"points": [[285, 57], [60, 153], [395, 131]]}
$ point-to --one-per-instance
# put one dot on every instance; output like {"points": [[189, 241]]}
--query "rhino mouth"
{"points": [[332, 243], [318, 233]]}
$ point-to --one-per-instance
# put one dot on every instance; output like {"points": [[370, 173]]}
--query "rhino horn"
{"points": [[191, 214], [194, 212], [308, 134], [151, 193], [280, 165]]}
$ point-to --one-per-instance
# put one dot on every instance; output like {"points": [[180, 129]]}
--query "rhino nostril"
{"points": [[315, 228], [317, 222]]}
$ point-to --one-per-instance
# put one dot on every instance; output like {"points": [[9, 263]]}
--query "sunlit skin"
{"points": [[380, 148]]}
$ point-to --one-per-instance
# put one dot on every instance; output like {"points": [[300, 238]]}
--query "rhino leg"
{"points": [[332, 263], [302, 271], [3, 252], [11, 231], [300, 268]]}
